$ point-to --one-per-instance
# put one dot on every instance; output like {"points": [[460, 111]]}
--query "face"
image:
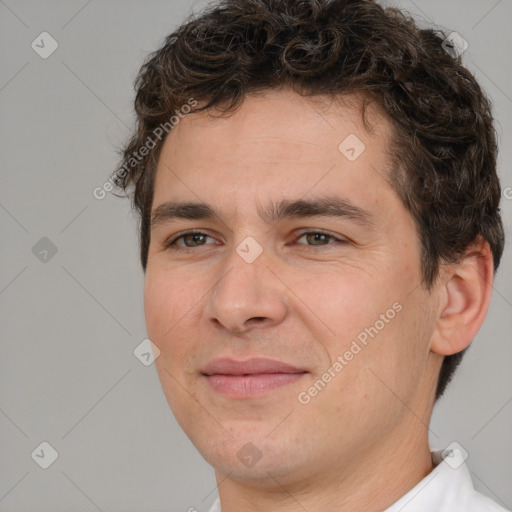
{"points": [[291, 334]]}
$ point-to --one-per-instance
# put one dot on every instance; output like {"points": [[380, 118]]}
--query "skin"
{"points": [[362, 441]]}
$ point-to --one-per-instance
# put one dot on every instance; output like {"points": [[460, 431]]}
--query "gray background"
{"points": [[70, 324]]}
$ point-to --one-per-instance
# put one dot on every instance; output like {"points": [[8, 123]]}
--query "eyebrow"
{"points": [[330, 206]]}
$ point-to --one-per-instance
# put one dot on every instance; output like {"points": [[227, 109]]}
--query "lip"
{"points": [[250, 377]]}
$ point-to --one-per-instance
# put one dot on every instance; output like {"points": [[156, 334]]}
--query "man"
{"points": [[319, 228]]}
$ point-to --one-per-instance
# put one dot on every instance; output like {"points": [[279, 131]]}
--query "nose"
{"points": [[247, 296]]}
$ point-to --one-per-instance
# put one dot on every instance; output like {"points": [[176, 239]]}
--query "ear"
{"points": [[465, 291]]}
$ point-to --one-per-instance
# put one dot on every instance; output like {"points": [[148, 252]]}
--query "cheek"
{"points": [[155, 304], [163, 307], [349, 302], [171, 306], [397, 357], [163, 310], [376, 319]]}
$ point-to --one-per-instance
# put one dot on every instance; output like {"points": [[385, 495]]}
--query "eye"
{"points": [[317, 238], [190, 239]]}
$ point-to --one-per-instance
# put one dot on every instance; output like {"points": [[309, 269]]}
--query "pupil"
{"points": [[195, 237], [317, 235]]}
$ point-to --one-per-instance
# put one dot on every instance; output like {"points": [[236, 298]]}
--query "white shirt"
{"points": [[448, 488]]}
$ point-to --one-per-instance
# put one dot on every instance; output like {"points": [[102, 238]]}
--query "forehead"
{"points": [[284, 117], [276, 144]]}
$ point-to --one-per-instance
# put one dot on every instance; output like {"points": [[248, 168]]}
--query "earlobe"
{"points": [[466, 290]]}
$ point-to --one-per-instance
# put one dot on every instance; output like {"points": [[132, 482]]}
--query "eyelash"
{"points": [[171, 243]]}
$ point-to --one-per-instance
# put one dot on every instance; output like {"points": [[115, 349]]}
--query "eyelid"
{"points": [[335, 236], [172, 239]]}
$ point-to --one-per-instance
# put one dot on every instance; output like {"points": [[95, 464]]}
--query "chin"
{"points": [[244, 459]]}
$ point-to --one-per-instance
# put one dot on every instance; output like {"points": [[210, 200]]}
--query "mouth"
{"points": [[251, 377]]}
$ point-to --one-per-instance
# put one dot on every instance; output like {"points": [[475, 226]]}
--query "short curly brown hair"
{"points": [[444, 143]]}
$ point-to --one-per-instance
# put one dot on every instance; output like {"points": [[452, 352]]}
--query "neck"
{"points": [[379, 477]]}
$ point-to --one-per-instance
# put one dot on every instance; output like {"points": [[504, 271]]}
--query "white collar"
{"points": [[448, 488]]}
